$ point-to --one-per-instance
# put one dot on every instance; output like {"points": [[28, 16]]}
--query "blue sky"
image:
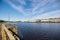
{"points": [[29, 9]]}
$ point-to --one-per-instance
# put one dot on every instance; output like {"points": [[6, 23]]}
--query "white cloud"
{"points": [[48, 15], [38, 6], [19, 8], [22, 2]]}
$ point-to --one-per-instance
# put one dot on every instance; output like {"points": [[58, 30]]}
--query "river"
{"points": [[39, 31]]}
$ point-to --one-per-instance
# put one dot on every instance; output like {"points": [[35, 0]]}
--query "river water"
{"points": [[39, 31]]}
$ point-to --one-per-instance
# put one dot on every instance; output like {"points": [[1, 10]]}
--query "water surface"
{"points": [[39, 31]]}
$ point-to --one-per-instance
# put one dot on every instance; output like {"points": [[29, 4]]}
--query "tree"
{"points": [[2, 21]]}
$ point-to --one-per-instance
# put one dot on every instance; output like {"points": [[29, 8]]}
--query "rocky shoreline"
{"points": [[0, 35]]}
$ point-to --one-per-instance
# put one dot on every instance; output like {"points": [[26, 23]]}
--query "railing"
{"points": [[6, 34]]}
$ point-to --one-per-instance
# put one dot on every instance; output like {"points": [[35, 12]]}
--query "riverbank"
{"points": [[0, 35]]}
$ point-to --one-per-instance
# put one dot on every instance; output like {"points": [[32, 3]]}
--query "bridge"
{"points": [[8, 34]]}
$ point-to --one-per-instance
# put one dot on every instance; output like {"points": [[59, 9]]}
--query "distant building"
{"points": [[51, 20], [44, 20], [31, 20], [54, 19]]}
